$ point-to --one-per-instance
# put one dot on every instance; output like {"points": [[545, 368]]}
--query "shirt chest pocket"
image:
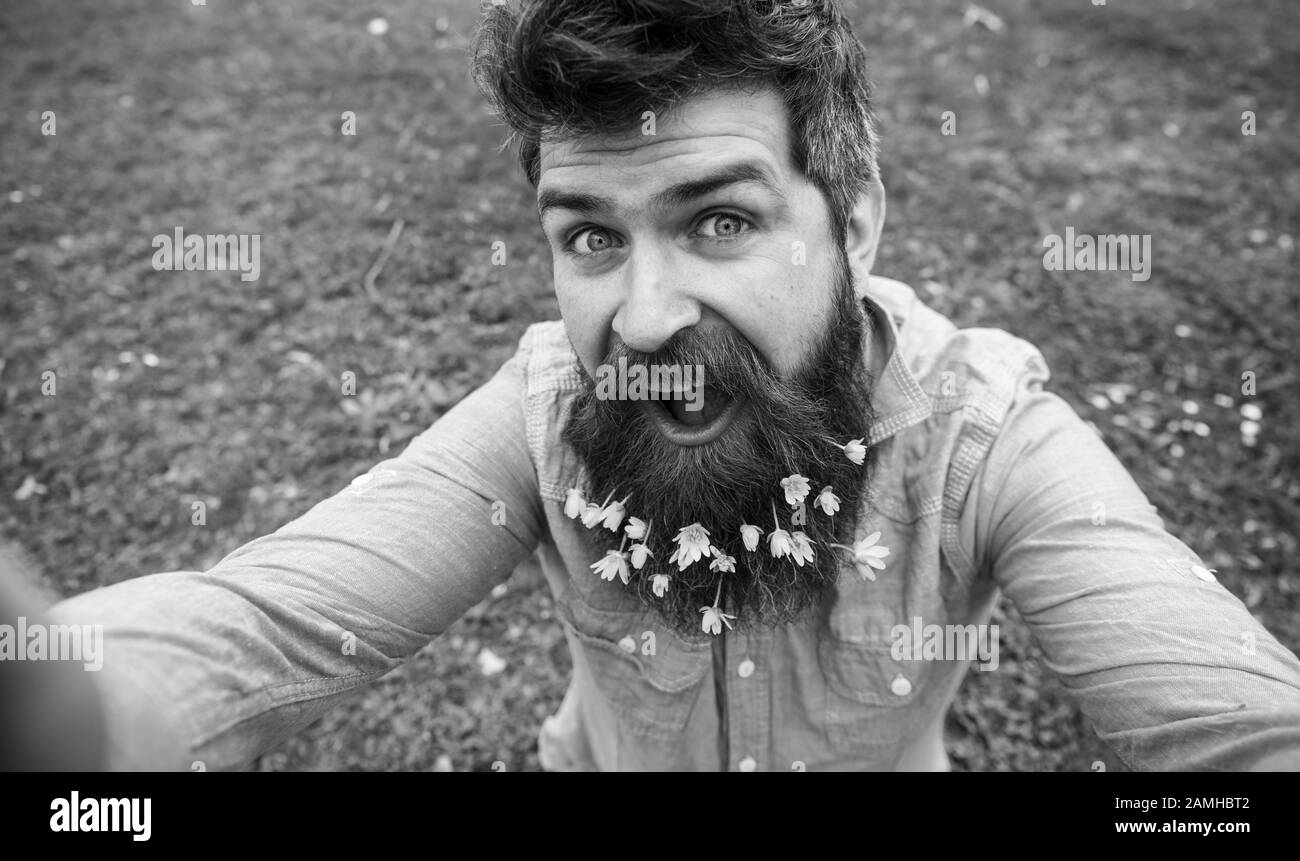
{"points": [[649, 677], [871, 699]]}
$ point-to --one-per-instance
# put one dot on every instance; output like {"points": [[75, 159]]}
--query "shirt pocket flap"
{"points": [[869, 674], [650, 676]]}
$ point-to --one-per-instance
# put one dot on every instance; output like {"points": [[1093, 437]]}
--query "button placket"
{"points": [[748, 690]]}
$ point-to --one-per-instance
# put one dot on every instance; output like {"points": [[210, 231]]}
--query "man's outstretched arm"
{"points": [[223, 664], [1170, 667]]}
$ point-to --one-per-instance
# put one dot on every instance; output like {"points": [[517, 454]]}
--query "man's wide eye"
{"points": [[591, 240], [723, 225]]}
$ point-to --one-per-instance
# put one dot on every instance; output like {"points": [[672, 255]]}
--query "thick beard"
{"points": [[790, 426]]}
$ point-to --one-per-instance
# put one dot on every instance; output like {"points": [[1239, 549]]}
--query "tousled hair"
{"points": [[555, 69]]}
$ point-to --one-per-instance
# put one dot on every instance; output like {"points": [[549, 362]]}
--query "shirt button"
{"points": [[900, 685], [748, 764], [746, 668], [627, 644]]}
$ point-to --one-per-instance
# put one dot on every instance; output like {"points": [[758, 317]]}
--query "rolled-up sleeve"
{"points": [[225, 663], [1170, 667]]}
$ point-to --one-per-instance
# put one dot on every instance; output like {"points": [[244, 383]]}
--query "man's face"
{"points": [[649, 237], [703, 245]]}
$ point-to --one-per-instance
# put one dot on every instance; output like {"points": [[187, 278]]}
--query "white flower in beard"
{"points": [[750, 535], [592, 514], [854, 450], [828, 501], [796, 489], [692, 546], [721, 561], [642, 550], [867, 554], [714, 618], [614, 564], [802, 551], [635, 528], [779, 541], [780, 544], [613, 515], [574, 504], [659, 585], [595, 514]]}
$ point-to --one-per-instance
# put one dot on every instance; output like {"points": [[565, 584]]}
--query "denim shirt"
{"points": [[984, 484]]}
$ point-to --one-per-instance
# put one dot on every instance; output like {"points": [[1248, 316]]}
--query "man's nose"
{"points": [[656, 302]]}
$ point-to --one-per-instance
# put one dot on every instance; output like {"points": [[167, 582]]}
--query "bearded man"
{"points": [[738, 562]]}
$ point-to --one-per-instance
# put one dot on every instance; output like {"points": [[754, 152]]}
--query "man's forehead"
{"points": [[702, 131]]}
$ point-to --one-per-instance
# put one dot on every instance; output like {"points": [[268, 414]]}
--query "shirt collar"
{"points": [[897, 399]]}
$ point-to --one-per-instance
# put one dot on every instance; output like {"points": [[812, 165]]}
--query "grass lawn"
{"points": [[176, 387]]}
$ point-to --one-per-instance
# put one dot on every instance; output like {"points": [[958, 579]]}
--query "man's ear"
{"points": [[864, 227]]}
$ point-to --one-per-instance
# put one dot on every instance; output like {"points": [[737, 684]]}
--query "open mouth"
{"points": [[701, 418]]}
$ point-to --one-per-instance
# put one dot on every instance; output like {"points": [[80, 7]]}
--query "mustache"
{"points": [[731, 366]]}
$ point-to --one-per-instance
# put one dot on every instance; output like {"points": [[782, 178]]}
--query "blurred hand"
{"points": [[50, 715]]}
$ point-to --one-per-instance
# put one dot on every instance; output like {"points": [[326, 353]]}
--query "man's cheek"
{"points": [[587, 339], [776, 320]]}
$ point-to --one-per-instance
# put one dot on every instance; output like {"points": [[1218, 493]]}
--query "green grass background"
{"points": [[183, 386]]}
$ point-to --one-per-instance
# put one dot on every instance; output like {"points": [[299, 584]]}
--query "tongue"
{"points": [[709, 405]]}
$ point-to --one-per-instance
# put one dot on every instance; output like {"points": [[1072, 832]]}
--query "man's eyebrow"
{"points": [[587, 204], [691, 189], [675, 195]]}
